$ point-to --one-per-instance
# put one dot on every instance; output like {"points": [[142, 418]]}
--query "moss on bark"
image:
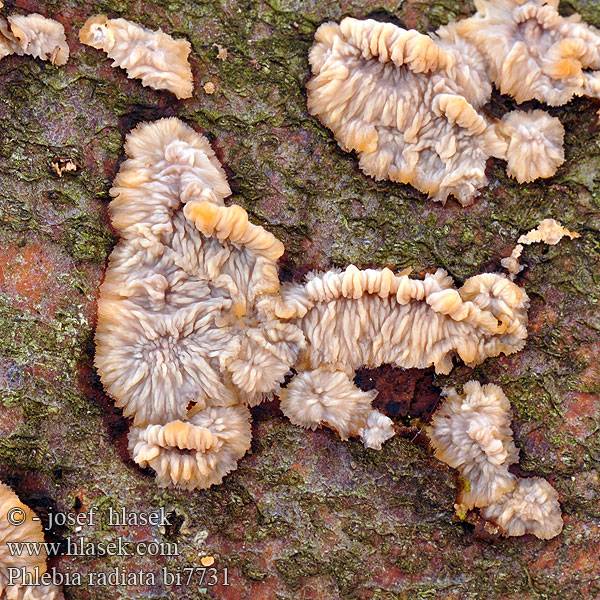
{"points": [[304, 510]]}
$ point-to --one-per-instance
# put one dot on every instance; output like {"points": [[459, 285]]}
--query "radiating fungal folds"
{"points": [[34, 35], [26, 527], [160, 61], [372, 317], [196, 453], [531, 52], [535, 144], [411, 105], [532, 507], [186, 329], [367, 318], [324, 397], [193, 324], [471, 432], [548, 231], [194, 327]]}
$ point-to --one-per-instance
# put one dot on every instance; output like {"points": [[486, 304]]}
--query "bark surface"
{"points": [[305, 515]]}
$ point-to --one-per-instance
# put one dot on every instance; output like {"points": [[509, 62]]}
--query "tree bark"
{"points": [[305, 515]]}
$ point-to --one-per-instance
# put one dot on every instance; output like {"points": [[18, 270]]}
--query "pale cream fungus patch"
{"points": [[194, 327], [187, 333], [549, 231], [532, 507], [34, 35], [412, 105], [28, 529], [367, 318], [160, 61], [471, 432]]}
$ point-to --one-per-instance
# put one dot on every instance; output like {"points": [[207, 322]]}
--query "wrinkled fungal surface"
{"points": [[531, 507], [180, 318], [304, 511], [532, 52], [411, 105], [471, 433], [549, 231], [160, 61], [373, 317], [196, 453], [388, 94], [34, 35], [184, 323], [190, 318], [18, 523]]}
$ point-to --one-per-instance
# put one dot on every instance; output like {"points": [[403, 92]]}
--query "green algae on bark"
{"points": [[304, 511]]}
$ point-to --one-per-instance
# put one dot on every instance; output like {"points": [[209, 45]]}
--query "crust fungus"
{"points": [[472, 433], [193, 325], [160, 61], [383, 92], [186, 329], [197, 453], [35, 36], [325, 397], [531, 52], [372, 317], [411, 105], [28, 529], [532, 507], [534, 144], [192, 322], [548, 231]]}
